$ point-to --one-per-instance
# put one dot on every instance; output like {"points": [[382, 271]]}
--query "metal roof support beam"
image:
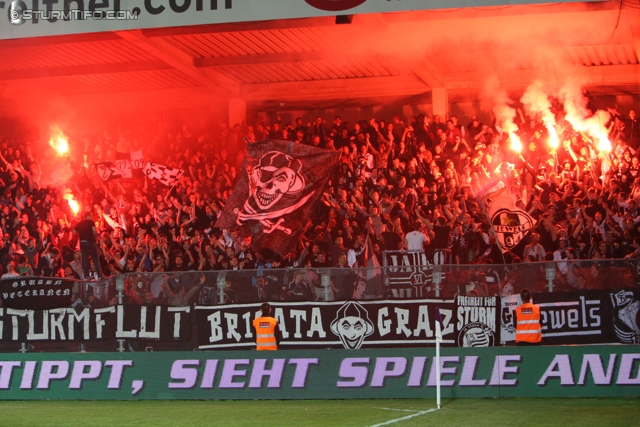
{"points": [[74, 70], [366, 87], [633, 18], [179, 60]]}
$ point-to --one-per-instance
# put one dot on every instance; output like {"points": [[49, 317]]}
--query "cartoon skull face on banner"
{"points": [[352, 325], [275, 175]]}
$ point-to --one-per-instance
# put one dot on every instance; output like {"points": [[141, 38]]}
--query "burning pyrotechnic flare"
{"points": [[59, 142], [516, 145], [553, 138], [73, 204], [604, 144], [582, 120]]}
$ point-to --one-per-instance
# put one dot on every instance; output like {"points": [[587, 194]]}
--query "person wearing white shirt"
{"points": [[561, 255], [415, 240], [11, 271]]}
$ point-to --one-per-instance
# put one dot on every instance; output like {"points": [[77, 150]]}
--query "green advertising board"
{"points": [[553, 371]]}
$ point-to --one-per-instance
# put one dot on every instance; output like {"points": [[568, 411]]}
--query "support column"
{"points": [[440, 101], [237, 112]]}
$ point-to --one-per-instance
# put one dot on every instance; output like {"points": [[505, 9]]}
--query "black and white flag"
{"points": [[107, 171], [510, 223], [167, 176], [130, 164]]}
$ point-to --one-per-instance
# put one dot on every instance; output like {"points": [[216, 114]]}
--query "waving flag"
{"points": [[107, 171], [510, 223], [130, 164], [167, 176], [277, 193]]}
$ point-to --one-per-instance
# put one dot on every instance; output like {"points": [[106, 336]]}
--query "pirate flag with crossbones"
{"points": [[282, 186]]}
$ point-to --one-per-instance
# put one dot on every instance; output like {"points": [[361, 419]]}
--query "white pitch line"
{"points": [[401, 410], [403, 418]]}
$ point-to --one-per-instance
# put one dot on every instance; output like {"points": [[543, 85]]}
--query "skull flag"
{"points": [[281, 186], [510, 223]]}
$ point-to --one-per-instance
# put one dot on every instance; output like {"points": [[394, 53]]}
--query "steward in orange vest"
{"points": [[267, 334], [527, 319]]}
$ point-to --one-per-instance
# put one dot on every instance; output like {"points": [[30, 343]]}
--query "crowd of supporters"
{"points": [[403, 184]]}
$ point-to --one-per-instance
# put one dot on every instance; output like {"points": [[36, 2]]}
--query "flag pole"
{"points": [[439, 330], [438, 373]]}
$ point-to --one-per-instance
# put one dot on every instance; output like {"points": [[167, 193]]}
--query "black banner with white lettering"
{"points": [[37, 293], [410, 274], [109, 323], [590, 317], [477, 321], [352, 325]]}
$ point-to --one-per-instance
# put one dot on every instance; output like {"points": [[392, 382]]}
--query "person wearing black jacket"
{"points": [[86, 231]]}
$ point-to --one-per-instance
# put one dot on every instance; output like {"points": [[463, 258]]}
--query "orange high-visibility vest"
{"points": [[266, 333], [528, 328]]}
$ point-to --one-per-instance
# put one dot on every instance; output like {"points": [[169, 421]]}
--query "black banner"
{"points": [[477, 321], [40, 293], [109, 323], [281, 185], [352, 325], [590, 317], [410, 274]]}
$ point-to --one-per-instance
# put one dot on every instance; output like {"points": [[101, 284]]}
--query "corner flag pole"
{"points": [[438, 372], [439, 328]]}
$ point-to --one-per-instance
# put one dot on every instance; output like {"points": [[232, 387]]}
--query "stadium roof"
{"points": [[313, 63]]}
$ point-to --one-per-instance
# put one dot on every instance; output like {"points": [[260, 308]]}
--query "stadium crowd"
{"points": [[402, 184]]}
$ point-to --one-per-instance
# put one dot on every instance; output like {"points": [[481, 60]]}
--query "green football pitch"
{"points": [[401, 413]]}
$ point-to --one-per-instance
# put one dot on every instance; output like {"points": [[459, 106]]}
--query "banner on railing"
{"points": [[108, 323], [409, 274], [581, 317], [40, 293], [578, 317], [468, 322], [507, 325]]}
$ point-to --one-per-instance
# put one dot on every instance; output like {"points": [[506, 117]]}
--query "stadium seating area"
{"points": [[402, 184]]}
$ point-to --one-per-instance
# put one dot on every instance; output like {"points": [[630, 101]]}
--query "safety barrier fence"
{"points": [[550, 371], [585, 301]]}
